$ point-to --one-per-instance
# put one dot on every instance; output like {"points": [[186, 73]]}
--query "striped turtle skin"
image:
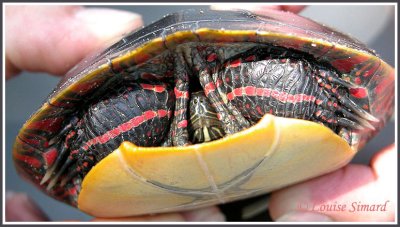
{"points": [[247, 67]]}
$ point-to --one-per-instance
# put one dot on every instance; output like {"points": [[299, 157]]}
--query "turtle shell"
{"points": [[136, 180]]}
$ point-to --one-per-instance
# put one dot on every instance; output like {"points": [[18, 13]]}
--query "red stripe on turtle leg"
{"points": [[179, 133], [124, 127]]}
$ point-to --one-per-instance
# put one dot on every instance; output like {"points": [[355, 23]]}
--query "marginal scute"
{"points": [[272, 154]]}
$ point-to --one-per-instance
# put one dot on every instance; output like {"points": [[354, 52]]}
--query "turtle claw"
{"points": [[360, 121], [52, 168], [356, 109], [342, 82], [48, 174], [54, 180], [348, 123]]}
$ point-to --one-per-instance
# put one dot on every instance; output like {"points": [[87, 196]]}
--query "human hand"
{"points": [[52, 39], [20, 207], [259, 9], [352, 193], [340, 195]]}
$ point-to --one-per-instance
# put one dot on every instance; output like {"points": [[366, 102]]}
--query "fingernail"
{"points": [[297, 216], [211, 214], [109, 23]]}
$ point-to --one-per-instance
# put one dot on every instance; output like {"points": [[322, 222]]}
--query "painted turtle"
{"points": [[205, 107]]}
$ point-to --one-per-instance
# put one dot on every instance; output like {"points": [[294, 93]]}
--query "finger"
{"points": [[353, 193], [209, 214], [259, 9], [52, 39], [173, 217], [213, 214], [19, 207]]}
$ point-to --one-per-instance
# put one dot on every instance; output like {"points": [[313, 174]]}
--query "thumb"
{"points": [[52, 39]]}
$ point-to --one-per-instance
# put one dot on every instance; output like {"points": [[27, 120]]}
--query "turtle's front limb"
{"points": [[233, 121], [178, 134]]}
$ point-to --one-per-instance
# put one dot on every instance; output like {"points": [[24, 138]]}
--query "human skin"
{"points": [[75, 31]]}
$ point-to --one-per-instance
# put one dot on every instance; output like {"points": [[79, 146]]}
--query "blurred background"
{"points": [[374, 25]]}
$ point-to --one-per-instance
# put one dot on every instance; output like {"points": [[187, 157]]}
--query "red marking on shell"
{"points": [[210, 87], [182, 124], [84, 87], [235, 63], [250, 58], [359, 93], [219, 116], [383, 85], [28, 160], [211, 57], [318, 101], [357, 80], [50, 124], [181, 94], [50, 156], [142, 58], [347, 64], [32, 141]]}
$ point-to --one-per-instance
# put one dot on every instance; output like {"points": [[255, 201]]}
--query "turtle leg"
{"points": [[178, 134], [333, 101], [62, 148], [68, 161], [231, 118]]}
